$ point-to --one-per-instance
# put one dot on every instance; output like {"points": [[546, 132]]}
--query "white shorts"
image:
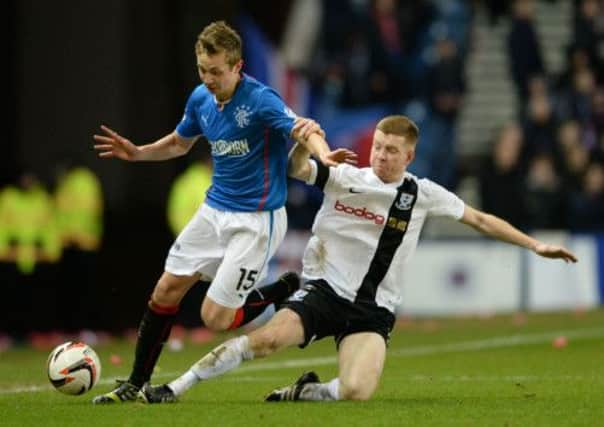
{"points": [[231, 248]]}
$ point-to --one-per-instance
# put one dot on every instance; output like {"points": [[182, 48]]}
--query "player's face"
{"points": [[219, 77], [390, 156]]}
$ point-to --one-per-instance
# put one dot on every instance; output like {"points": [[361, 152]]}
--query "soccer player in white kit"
{"points": [[363, 237]]}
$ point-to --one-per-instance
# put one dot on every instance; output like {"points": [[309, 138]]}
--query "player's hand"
{"points": [[112, 144], [339, 155], [303, 128], [554, 251]]}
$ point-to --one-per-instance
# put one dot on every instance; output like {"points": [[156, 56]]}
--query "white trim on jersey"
{"points": [[352, 219]]}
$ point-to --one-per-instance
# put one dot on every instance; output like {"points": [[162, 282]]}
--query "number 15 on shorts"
{"points": [[247, 279]]}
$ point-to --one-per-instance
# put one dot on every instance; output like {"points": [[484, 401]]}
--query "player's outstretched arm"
{"points": [[113, 145], [297, 162], [497, 228], [308, 133], [307, 128]]}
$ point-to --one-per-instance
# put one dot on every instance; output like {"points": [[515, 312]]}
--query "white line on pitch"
{"points": [[475, 345], [106, 381]]}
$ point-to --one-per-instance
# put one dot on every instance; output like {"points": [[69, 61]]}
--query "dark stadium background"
{"points": [[73, 65]]}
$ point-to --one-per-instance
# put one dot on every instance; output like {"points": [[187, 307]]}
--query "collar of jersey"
{"points": [[395, 184], [221, 105]]}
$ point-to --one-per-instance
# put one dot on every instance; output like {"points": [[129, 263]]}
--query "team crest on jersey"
{"points": [[405, 201], [242, 115]]}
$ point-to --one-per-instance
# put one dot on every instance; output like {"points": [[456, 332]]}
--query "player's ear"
{"points": [[410, 155], [238, 66]]}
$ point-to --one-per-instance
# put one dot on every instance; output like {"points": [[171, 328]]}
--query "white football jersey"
{"points": [[366, 231]]}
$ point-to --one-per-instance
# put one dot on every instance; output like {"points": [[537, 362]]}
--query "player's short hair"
{"points": [[220, 37], [400, 126]]}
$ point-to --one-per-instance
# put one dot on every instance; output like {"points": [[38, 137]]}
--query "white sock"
{"points": [[226, 357], [334, 388], [321, 391], [184, 382]]}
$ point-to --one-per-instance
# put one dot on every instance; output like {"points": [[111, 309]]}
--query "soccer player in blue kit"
{"points": [[243, 220]]}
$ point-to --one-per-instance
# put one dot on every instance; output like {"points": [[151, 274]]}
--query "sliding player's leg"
{"points": [[283, 330], [361, 359]]}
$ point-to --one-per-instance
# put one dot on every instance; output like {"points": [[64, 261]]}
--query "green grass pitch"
{"points": [[446, 372]]}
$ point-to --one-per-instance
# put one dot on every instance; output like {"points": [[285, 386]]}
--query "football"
{"points": [[73, 368]]}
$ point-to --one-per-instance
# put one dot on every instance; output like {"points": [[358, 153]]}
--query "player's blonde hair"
{"points": [[220, 37], [400, 126]]}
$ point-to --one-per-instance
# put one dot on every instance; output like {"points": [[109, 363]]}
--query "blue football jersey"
{"points": [[248, 140]]}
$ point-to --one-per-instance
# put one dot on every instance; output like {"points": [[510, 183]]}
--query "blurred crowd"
{"points": [[347, 63], [363, 59], [546, 169], [48, 246]]}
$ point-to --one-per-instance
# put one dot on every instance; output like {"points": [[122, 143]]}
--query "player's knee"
{"points": [[168, 291], [216, 322], [355, 389], [215, 317], [164, 294]]}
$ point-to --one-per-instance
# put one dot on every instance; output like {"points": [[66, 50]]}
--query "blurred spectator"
{"points": [[577, 59], [10, 319], [386, 36], [365, 80], [587, 206], [538, 86], [524, 50], [501, 180], [273, 20], [599, 151], [414, 18], [300, 34], [6, 222], [575, 102], [569, 135], [187, 194], [79, 211], [29, 223], [445, 81], [444, 90], [589, 33], [366, 49], [496, 9], [539, 128], [31, 247], [545, 198], [577, 159], [597, 118], [394, 30]]}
